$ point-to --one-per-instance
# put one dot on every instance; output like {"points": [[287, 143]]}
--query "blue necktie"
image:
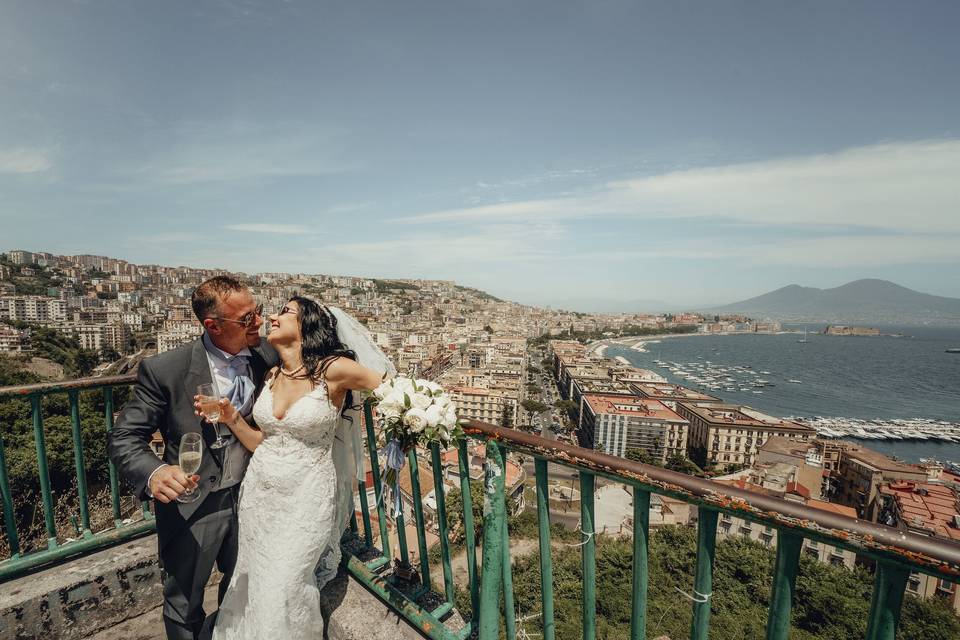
{"points": [[241, 388]]}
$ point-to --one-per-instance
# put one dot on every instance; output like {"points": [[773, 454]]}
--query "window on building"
{"points": [[945, 586], [913, 583]]}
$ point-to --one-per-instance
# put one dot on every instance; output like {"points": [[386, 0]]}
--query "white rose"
{"points": [[384, 389], [429, 384], [420, 401], [434, 415], [405, 385], [450, 416], [394, 397], [390, 409], [415, 420]]}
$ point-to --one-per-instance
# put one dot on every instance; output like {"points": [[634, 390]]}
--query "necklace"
{"points": [[290, 374]]}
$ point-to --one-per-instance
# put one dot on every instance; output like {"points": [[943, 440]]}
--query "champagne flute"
{"points": [[210, 408], [191, 453]]}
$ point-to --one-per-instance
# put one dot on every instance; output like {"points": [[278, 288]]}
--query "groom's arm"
{"points": [[129, 441]]}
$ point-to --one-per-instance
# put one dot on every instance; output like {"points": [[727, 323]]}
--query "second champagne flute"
{"points": [[191, 453], [210, 408]]}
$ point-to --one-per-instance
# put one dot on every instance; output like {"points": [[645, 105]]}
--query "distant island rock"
{"points": [[868, 301]]}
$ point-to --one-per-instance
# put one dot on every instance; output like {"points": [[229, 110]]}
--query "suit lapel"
{"points": [[199, 372]]}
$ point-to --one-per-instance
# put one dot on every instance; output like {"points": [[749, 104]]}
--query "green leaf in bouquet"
{"points": [[406, 401]]}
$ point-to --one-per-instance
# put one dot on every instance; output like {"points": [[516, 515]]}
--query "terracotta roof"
{"points": [[795, 487], [630, 406], [925, 505], [843, 510]]}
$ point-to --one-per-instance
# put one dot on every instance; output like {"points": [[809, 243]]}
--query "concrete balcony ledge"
{"points": [[116, 594]]}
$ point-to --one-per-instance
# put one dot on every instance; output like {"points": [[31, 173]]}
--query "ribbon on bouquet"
{"points": [[395, 460]]}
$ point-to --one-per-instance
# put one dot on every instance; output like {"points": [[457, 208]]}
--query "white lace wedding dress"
{"points": [[287, 521]]}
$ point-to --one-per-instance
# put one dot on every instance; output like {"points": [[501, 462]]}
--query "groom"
{"points": [[193, 536]]}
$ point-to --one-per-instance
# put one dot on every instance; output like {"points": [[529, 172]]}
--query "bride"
{"points": [[296, 495]]}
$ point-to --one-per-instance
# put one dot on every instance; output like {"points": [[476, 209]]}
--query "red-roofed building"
{"points": [[614, 424], [862, 472], [926, 508]]}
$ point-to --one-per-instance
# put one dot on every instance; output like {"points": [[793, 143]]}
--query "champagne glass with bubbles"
{"points": [[191, 453], [210, 408]]}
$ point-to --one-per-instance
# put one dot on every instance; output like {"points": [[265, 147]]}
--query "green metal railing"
{"points": [[21, 561], [896, 553], [427, 601]]}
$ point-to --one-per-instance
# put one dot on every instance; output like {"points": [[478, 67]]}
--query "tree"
{"points": [[454, 506], [109, 354], [831, 603], [533, 406], [568, 406], [85, 361], [638, 455], [533, 390], [681, 464]]}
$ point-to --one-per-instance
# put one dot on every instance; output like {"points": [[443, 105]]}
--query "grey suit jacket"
{"points": [[163, 401]]}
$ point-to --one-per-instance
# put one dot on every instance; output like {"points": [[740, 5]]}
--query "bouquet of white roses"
{"points": [[411, 413], [416, 412]]}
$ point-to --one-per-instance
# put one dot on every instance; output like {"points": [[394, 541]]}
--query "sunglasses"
{"points": [[248, 320]]}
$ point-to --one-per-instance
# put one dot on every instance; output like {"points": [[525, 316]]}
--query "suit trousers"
{"points": [[187, 560]]}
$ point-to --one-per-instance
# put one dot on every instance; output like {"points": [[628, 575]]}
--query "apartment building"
{"points": [[35, 309], [14, 340], [862, 473], [614, 424], [486, 405], [726, 434], [730, 525], [103, 336]]}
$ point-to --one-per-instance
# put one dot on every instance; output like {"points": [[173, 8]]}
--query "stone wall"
{"points": [[81, 597]]}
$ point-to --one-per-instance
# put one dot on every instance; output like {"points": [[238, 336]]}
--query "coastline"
{"points": [[637, 343]]}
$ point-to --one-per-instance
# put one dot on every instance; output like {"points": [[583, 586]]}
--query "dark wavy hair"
{"points": [[320, 343]]}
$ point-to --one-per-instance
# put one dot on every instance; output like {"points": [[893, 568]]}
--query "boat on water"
{"points": [[804, 338], [953, 350], [796, 381]]}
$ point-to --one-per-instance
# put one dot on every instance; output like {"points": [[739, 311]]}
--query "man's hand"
{"points": [[169, 482]]}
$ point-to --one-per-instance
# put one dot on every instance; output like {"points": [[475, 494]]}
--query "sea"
{"points": [[904, 373]]}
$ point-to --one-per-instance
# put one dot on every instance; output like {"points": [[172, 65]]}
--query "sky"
{"points": [[589, 155]]}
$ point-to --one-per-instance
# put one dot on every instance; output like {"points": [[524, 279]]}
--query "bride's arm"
{"points": [[249, 436], [344, 373]]}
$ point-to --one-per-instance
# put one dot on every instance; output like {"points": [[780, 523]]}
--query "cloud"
{"points": [[23, 161], [903, 187], [441, 255], [203, 152], [279, 229]]}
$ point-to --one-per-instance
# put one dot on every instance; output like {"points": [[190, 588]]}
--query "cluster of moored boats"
{"points": [[895, 429], [708, 375]]}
